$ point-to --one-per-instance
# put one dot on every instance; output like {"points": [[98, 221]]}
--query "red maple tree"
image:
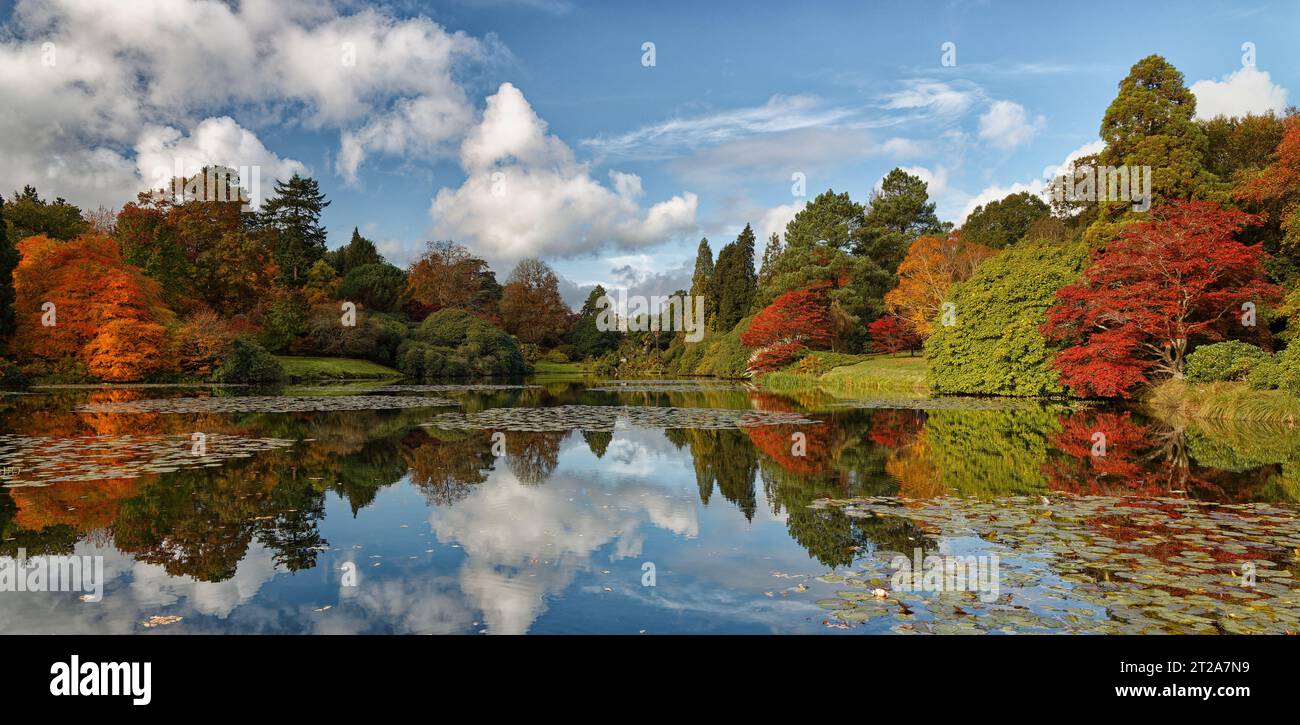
{"points": [[1177, 276], [892, 334], [794, 322]]}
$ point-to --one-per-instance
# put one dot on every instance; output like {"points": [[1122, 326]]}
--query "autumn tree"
{"points": [[892, 333], [531, 306], [79, 304], [795, 322], [448, 276], [1274, 191], [932, 265], [1178, 277]]}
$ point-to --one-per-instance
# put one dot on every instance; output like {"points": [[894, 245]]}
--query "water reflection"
{"points": [[551, 535]]}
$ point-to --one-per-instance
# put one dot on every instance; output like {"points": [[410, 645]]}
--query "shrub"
{"points": [[248, 362], [1281, 371], [995, 347], [1223, 361], [454, 343], [555, 356], [10, 375]]}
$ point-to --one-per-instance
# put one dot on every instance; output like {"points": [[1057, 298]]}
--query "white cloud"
{"points": [[774, 220], [932, 96], [1038, 186], [214, 141], [525, 195], [84, 80], [1246, 90], [1006, 125]]}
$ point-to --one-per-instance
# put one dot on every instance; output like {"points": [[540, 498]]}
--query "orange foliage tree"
{"points": [[931, 267], [79, 303]]}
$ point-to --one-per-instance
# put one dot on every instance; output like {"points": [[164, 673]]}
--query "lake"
{"points": [[658, 506]]}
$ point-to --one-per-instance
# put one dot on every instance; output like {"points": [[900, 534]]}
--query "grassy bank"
{"points": [[333, 368], [1221, 401], [869, 374]]}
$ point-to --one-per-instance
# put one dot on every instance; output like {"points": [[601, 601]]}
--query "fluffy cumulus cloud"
{"points": [[1006, 125], [89, 84], [525, 194], [162, 152], [1247, 90]]}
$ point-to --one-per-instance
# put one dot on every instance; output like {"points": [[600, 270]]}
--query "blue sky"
{"points": [[612, 170]]}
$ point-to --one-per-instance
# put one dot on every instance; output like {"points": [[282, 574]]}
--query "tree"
{"points": [[358, 252], [107, 315], [794, 322], [898, 213], [832, 219], [702, 281], [1274, 191], [589, 340], [1163, 283], [1150, 123], [932, 265], [891, 334], [294, 214], [448, 276], [28, 215], [1239, 145], [735, 280], [770, 252], [531, 307], [377, 286], [999, 224], [993, 345], [8, 260]]}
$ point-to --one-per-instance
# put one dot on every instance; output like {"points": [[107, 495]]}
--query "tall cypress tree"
{"points": [[735, 280], [702, 280], [294, 215]]}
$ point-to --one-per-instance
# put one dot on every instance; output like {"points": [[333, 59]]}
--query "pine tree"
{"points": [[770, 253], [1151, 123], [900, 212], [294, 214], [735, 280]]}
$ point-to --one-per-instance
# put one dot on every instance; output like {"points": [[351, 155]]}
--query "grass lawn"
{"points": [[546, 369], [874, 373], [333, 368]]}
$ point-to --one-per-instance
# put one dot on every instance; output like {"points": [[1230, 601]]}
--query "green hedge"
{"points": [[1223, 361]]}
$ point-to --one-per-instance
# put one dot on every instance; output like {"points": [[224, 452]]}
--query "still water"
{"points": [[638, 507]]}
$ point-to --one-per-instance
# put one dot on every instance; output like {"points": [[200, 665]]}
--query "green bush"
{"points": [[376, 287], [1280, 372], [994, 347], [555, 356], [457, 344], [1223, 361], [248, 362]]}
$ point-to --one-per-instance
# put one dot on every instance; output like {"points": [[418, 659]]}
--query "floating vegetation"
{"points": [[40, 460], [610, 417], [667, 386], [403, 388], [266, 404], [1095, 564]]}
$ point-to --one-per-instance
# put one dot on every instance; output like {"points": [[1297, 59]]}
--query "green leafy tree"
{"points": [[1001, 223], [375, 286], [735, 281], [28, 215], [589, 340], [990, 343], [8, 260], [294, 214]]}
